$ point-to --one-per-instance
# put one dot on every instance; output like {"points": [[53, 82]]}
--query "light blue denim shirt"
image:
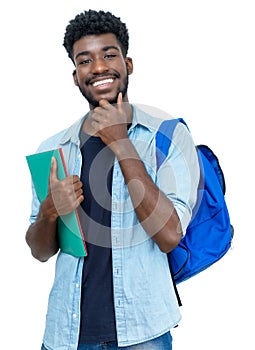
{"points": [[144, 298]]}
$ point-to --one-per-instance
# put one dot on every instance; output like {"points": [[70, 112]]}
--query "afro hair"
{"points": [[95, 22]]}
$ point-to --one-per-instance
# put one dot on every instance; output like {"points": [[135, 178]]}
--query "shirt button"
{"points": [[74, 316], [77, 285]]}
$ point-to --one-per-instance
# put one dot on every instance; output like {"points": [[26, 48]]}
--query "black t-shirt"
{"points": [[97, 308]]}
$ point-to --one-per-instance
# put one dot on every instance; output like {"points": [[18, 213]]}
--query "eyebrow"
{"points": [[104, 49]]}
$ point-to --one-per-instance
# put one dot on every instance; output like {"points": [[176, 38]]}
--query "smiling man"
{"points": [[121, 295], [94, 80]]}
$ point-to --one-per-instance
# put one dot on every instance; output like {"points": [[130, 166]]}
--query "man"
{"points": [[121, 295]]}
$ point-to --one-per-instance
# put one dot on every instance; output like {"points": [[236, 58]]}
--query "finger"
{"points": [[79, 196], [80, 199], [99, 112], [53, 169], [96, 116], [104, 103], [77, 185], [76, 179], [119, 99], [119, 102]]}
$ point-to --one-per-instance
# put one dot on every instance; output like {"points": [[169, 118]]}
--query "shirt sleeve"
{"points": [[178, 176], [34, 207]]}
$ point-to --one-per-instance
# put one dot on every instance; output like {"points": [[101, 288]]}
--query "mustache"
{"points": [[99, 76]]}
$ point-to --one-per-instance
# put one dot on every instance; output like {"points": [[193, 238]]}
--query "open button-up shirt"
{"points": [[144, 298]]}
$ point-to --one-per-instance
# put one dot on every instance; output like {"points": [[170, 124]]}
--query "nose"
{"points": [[99, 66]]}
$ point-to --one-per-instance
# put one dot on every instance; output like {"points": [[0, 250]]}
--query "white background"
{"points": [[193, 59]]}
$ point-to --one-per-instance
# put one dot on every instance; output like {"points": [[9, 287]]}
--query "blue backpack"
{"points": [[209, 234]]}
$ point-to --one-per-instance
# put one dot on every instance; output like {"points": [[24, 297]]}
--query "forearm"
{"points": [[154, 210], [41, 236]]}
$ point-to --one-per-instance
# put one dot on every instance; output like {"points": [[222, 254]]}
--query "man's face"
{"points": [[101, 70]]}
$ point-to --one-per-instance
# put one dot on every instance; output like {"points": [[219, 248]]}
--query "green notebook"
{"points": [[71, 237]]}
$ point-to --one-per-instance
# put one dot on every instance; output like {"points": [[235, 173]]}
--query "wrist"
{"points": [[48, 211], [124, 150]]}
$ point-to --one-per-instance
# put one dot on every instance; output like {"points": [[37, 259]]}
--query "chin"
{"points": [[111, 100], [94, 102]]}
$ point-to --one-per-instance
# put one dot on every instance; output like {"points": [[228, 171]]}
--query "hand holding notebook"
{"points": [[71, 237]]}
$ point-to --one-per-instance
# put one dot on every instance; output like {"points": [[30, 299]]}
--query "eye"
{"points": [[109, 56], [86, 61]]}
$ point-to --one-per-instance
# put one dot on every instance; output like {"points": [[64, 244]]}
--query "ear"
{"points": [[129, 64], [75, 78]]}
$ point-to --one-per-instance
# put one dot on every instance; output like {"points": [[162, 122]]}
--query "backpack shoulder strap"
{"points": [[163, 142], [164, 138]]}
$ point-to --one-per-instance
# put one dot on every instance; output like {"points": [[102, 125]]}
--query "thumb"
{"points": [[120, 103], [53, 170], [119, 99]]}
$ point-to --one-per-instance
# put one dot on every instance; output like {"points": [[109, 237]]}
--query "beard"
{"points": [[95, 103]]}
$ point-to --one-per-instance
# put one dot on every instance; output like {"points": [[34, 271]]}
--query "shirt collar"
{"points": [[140, 117], [72, 133]]}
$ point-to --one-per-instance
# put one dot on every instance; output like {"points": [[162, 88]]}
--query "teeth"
{"points": [[101, 82]]}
